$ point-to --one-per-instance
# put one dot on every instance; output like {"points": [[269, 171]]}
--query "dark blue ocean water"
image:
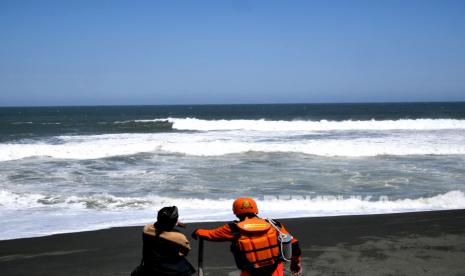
{"points": [[23, 122], [74, 168]]}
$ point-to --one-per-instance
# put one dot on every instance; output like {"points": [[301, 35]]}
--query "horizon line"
{"points": [[218, 104]]}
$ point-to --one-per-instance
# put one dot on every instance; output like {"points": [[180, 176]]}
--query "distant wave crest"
{"points": [[323, 125]]}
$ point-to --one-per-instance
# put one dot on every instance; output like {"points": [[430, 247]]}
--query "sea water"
{"points": [[66, 169]]}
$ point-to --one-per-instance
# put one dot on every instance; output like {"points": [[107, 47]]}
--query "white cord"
{"points": [[280, 238]]}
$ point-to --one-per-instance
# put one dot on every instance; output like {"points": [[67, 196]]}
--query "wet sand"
{"points": [[424, 243]]}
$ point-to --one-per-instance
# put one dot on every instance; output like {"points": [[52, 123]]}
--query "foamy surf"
{"points": [[74, 169], [102, 211], [221, 137], [313, 205]]}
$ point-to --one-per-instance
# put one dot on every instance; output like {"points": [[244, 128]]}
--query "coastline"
{"points": [[420, 243]]}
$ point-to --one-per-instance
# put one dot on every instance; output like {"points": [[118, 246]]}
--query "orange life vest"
{"points": [[257, 244]]}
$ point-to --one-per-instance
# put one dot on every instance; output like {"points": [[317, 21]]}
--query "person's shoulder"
{"points": [[176, 237], [275, 222], [149, 229], [231, 223], [175, 233], [235, 230], [278, 223]]}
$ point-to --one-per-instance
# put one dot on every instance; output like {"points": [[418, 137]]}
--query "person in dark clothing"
{"points": [[165, 248]]}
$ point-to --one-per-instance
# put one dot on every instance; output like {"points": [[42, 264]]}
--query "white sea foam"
{"points": [[285, 205], [85, 147], [365, 138], [345, 148], [78, 213], [22, 123], [323, 125], [103, 146]]}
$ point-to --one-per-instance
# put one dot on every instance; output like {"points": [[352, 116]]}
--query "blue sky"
{"points": [[213, 52]]}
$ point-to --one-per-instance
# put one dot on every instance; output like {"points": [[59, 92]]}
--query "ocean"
{"points": [[66, 169]]}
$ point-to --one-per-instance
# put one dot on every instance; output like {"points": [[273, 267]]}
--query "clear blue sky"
{"points": [[194, 52]]}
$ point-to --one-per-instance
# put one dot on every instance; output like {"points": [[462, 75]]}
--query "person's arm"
{"points": [[184, 249], [223, 233]]}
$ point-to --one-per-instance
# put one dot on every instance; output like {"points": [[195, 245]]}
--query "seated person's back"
{"points": [[165, 248]]}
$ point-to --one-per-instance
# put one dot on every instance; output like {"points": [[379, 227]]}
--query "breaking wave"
{"points": [[284, 206], [104, 146], [221, 137], [81, 213], [323, 125]]}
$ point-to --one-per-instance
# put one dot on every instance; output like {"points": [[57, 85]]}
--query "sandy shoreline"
{"points": [[423, 243]]}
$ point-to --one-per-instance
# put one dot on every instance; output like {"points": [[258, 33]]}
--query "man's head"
{"points": [[244, 207], [167, 218]]}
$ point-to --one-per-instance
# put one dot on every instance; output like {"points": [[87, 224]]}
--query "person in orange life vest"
{"points": [[258, 259]]}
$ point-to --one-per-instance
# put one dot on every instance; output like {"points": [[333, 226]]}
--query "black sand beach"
{"points": [[425, 243]]}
